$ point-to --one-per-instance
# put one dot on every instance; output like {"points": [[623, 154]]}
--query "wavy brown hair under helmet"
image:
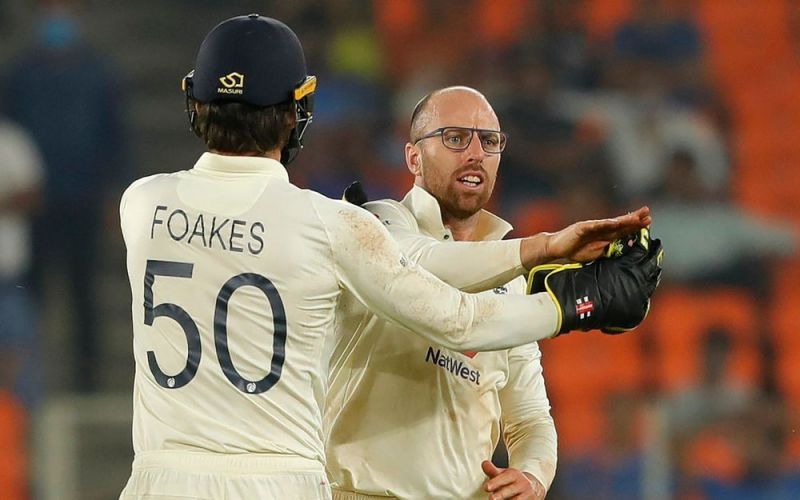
{"points": [[236, 127]]}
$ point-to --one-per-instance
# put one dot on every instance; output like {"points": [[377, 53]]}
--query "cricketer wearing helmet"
{"points": [[237, 277], [409, 418]]}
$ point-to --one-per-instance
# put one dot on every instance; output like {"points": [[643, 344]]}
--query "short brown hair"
{"points": [[417, 115], [237, 127]]}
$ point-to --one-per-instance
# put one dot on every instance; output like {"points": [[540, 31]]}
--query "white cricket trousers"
{"points": [[179, 475]]}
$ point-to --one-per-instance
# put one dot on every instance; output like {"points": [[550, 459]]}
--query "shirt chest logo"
{"points": [[456, 368]]}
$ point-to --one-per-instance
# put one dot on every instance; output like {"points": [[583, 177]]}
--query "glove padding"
{"points": [[611, 294]]}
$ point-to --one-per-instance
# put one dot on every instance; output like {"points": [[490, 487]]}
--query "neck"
{"points": [[275, 154], [463, 229]]}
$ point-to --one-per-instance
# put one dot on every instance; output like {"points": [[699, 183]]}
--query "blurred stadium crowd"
{"points": [[689, 106]]}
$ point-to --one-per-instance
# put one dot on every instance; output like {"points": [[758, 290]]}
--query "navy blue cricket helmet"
{"points": [[255, 60]]}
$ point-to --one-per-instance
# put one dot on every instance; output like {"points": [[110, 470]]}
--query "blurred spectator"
{"points": [[20, 369], [538, 150], [642, 105], [14, 424], [715, 397], [66, 95], [422, 36], [643, 130], [314, 27], [353, 90], [717, 241], [546, 150], [616, 471], [579, 199], [758, 434], [729, 440], [22, 175], [574, 58], [350, 113], [659, 41], [330, 173], [653, 35], [624, 458], [353, 47]]}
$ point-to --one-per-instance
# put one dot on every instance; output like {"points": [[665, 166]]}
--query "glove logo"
{"points": [[584, 307], [232, 83], [615, 249]]}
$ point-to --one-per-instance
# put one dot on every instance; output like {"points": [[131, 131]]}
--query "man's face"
{"points": [[461, 181]]}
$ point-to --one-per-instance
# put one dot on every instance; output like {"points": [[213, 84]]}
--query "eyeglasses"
{"points": [[459, 138]]}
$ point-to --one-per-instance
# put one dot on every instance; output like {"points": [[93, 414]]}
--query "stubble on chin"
{"points": [[463, 206]]}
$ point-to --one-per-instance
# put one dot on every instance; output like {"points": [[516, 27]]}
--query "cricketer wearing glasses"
{"points": [[408, 418]]}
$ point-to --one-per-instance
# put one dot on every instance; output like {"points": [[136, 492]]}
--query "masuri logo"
{"points": [[232, 83]]}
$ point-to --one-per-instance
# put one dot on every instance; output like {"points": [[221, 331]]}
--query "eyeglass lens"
{"points": [[459, 139]]}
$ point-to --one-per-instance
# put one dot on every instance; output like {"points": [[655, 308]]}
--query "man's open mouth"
{"points": [[470, 180]]}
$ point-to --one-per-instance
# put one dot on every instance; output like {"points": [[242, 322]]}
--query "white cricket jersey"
{"points": [[409, 418], [237, 276]]}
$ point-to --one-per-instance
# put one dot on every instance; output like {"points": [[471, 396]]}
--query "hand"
{"points": [[586, 240], [511, 483], [612, 293]]}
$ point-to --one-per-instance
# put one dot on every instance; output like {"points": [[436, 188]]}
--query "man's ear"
{"points": [[413, 159]]}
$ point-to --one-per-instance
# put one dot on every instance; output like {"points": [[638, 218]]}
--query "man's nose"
{"points": [[475, 149]]}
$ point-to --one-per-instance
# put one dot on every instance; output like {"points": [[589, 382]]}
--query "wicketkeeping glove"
{"points": [[611, 294], [355, 194], [624, 245]]}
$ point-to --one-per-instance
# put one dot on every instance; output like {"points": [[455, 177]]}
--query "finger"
{"points": [[591, 251], [501, 480], [608, 232], [490, 469], [616, 227], [642, 213], [627, 229], [509, 491], [597, 229], [636, 217], [640, 217], [597, 245], [639, 214]]}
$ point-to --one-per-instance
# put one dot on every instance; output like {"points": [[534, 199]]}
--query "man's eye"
{"points": [[454, 139]]}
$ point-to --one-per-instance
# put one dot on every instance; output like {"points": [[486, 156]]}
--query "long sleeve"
{"points": [[529, 429], [466, 265], [370, 264]]}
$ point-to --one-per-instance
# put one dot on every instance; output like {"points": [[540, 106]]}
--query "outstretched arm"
{"points": [[370, 264], [483, 265]]}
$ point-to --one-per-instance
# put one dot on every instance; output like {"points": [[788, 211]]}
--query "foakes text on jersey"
{"points": [[209, 231]]}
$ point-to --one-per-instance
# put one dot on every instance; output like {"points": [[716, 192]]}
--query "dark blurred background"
{"points": [[692, 107]]}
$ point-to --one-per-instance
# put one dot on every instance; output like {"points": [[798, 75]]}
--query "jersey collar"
{"points": [[212, 162], [426, 210]]}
